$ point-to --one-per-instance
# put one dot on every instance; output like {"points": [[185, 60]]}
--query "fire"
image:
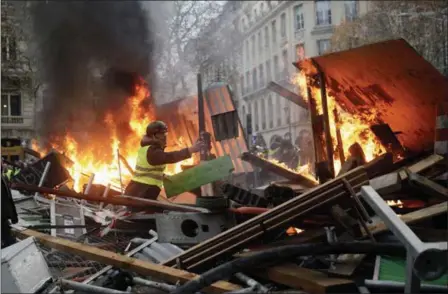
{"points": [[354, 128], [291, 231], [304, 170], [397, 203], [101, 159]]}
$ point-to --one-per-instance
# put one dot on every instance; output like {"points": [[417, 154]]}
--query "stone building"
{"points": [[18, 103]]}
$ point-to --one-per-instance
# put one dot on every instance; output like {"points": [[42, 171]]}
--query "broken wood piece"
{"points": [[426, 185], [279, 170], [412, 217], [392, 182], [386, 184], [144, 268], [380, 165], [344, 219], [346, 264], [348, 165], [285, 93], [421, 165], [279, 217], [310, 281], [122, 200], [338, 136], [357, 152], [388, 139]]}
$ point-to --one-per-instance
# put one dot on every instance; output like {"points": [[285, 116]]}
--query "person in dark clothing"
{"points": [[9, 213], [152, 159]]}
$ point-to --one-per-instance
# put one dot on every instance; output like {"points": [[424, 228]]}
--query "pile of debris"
{"points": [[375, 226]]}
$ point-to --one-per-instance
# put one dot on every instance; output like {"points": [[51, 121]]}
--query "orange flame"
{"points": [[106, 170], [354, 128], [397, 203]]}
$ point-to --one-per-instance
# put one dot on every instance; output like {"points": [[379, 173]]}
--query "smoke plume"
{"points": [[91, 53]]}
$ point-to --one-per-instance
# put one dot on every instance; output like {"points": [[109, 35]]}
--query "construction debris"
{"points": [[365, 224]]}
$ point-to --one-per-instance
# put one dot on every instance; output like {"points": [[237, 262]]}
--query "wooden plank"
{"points": [[421, 165], [412, 217], [310, 281], [285, 93], [427, 186], [279, 170], [390, 183], [386, 184], [164, 273], [281, 216]]}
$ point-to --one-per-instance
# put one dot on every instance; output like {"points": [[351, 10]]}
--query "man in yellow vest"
{"points": [[152, 160]]}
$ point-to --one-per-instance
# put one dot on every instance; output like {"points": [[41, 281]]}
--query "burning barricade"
{"points": [[375, 179]]}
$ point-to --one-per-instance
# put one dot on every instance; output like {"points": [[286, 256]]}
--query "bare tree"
{"points": [[218, 46], [186, 21], [421, 23]]}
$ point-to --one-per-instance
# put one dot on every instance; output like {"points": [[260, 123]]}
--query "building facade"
{"points": [[276, 34], [18, 103]]}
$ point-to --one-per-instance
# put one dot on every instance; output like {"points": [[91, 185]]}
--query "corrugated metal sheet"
{"points": [[393, 78], [181, 117]]}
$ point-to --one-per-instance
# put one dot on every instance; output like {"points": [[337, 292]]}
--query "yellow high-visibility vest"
{"points": [[146, 173]]}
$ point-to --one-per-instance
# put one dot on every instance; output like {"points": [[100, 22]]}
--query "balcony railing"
{"points": [[12, 120]]}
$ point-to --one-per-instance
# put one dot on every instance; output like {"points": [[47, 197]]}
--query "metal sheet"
{"points": [[181, 117], [190, 228], [393, 78]]}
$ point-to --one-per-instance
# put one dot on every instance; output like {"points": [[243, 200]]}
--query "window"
{"points": [[276, 66], [270, 114], [242, 85], [247, 50], [243, 25], [11, 105], [351, 10], [299, 23], [268, 71], [300, 52], [285, 62], [9, 48], [253, 46], [260, 43], [261, 9], [323, 46], [266, 37], [323, 12], [248, 89], [279, 111], [243, 117], [255, 14], [256, 116], [262, 80], [263, 113], [254, 79], [283, 25], [274, 32]]}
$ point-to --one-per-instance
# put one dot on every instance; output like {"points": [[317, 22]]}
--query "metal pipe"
{"points": [[400, 286], [43, 177], [87, 288], [428, 259], [253, 284], [106, 192], [161, 286]]}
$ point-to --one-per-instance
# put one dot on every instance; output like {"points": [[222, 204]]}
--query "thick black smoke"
{"points": [[86, 49]]}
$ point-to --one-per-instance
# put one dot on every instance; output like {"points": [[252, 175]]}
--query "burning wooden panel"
{"points": [[182, 119], [392, 78]]}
